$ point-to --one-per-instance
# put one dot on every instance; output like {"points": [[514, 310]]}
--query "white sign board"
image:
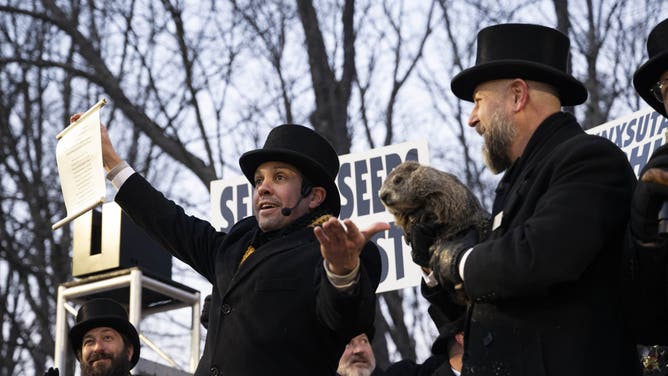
{"points": [[360, 178], [637, 134]]}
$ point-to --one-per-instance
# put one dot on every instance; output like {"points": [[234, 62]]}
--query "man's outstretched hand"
{"points": [[341, 243]]}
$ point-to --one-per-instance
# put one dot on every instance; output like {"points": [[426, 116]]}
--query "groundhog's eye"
{"points": [[398, 180]]}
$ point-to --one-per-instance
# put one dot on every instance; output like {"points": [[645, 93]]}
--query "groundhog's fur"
{"points": [[415, 193]]}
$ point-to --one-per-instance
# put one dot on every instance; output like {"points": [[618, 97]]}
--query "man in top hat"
{"points": [[545, 286], [448, 348], [358, 358], [291, 284], [103, 340], [648, 243]]}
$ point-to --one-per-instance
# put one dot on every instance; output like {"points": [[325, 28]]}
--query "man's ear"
{"points": [[459, 337], [131, 351], [520, 93], [318, 195]]}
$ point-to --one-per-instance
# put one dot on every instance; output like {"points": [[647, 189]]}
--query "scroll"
{"points": [[79, 159]]}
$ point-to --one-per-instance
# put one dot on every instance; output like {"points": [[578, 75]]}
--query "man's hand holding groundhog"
{"points": [[421, 239], [441, 256]]}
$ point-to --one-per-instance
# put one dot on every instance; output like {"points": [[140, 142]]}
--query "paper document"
{"points": [[79, 159]]}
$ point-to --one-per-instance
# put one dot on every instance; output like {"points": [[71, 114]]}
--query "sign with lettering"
{"points": [[360, 178], [637, 134]]}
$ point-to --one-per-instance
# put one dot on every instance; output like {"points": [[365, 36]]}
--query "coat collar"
{"points": [[551, 132]]}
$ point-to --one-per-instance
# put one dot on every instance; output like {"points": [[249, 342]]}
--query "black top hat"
{"points": [[449, 321], [530, 52], [304, 148], [96, 313], [648, 74]]}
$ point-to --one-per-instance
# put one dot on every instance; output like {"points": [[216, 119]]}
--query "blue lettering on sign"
{"points": [[395, 234], [231, 195], [639, 155], [664, 123], [226, 196], [368, 174], [629, 132], [345, 191], [242, 203], [643, 127], [360, 184]]}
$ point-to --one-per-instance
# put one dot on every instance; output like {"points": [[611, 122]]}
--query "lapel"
{"points": [[269, 250], [514, 187]]}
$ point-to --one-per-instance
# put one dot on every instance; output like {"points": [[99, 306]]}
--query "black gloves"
{"points": [[52, 372], [442, 256], [648, 199], [422, 236], [448, 253]]}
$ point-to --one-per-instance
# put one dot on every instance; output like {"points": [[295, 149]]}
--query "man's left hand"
{"points": [[447, 255], [341, 243]]}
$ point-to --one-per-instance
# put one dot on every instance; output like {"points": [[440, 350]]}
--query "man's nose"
{"points": [[99, 346], [473, 119], [263, 187]]}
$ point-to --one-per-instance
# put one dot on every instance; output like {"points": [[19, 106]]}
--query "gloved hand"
{"points": [[422, 237], [447, 254], [52, 372], [648, 199]]}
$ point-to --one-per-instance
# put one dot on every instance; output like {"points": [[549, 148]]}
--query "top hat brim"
{"points": [[251, 160], [120, 325], [647, 75], [571, 91], [447, 332]]}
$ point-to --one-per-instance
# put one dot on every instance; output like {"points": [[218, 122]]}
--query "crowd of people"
{"points": [[570, 280]]}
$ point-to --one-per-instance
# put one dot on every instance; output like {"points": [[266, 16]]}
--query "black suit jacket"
{"points": [[546, 286], [276, 313]]}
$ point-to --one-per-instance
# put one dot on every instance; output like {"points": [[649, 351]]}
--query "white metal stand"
{"points": [[175, 296]]}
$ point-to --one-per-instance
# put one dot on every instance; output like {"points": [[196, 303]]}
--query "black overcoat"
{"points": [[546, 285], [276, 313]]}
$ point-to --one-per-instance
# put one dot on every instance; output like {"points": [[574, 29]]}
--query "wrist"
{"points": [[342, 270]]}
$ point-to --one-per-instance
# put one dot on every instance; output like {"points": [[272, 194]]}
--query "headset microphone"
{"points": [[287, 211], [306, 189]]}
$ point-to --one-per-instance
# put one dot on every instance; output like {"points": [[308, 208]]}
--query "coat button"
{"points": [[488, 339], [226, 309], [214, 371]]}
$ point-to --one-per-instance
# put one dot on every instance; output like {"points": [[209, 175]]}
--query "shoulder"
{"points": [[587, 147]]}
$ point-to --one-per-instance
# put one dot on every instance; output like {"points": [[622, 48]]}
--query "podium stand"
{"points": [[144, 294]]}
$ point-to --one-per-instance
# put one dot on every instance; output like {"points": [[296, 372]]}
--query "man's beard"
{"points": [[356, 371], [499, 135], [351, 369], [120, 366]]}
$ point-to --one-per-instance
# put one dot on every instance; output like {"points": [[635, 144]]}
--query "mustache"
{"points": [[97, 356], [359, 358]]}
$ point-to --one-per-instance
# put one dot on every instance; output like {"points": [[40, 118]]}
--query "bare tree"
{"points": [[608, 39], [198, 83]]}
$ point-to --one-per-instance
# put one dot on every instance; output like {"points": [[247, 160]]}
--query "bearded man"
{"points": [[545, 286], [103, 340], [358, 358]]}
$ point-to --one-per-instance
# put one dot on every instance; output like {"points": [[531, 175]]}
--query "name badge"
{"points": [[497, 221]]}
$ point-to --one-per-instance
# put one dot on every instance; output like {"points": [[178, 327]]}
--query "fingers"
{"points": [[330, 232], [335, 230], [655, 175], [375, 228], [75, 117]]}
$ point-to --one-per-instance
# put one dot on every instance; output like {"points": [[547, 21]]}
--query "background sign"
{"points": [[360, 178], [638, 135]]}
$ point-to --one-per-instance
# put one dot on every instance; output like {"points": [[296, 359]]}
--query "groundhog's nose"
{"points": [[384, 196]]}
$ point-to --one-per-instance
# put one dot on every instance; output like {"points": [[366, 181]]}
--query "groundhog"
{"points": [[414, 193]]}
